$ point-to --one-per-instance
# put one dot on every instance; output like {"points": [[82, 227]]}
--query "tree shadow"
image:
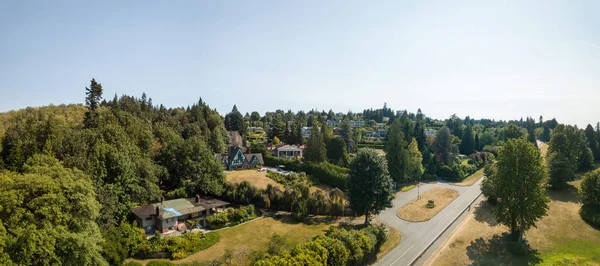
{"points": [[483, 213], [501, 250], [567, 194]]}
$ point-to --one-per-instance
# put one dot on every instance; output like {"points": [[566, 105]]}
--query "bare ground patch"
{"points": [[415, 211]]}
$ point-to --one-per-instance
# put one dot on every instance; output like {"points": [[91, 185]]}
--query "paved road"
{"points": [[417, 236]]}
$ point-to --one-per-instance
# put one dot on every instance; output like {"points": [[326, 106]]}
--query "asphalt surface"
{"points": [[416, 237]]}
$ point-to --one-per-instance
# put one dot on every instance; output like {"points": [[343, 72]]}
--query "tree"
{"points": [[513, 131], [455, 125], [443, 145], [276, 140], [590, 134], [546, 133], [234, 121], [419, 132], [564, 154], [348, 136], [467, 145], [50, 212], [369, 184], [414, 159], [477, 144], [518, 182], [337, 153], [407, 127], [531, 137], [92, 101], [590, 197], [315, 147], [327, 133], [254, 117], [396, 153]]}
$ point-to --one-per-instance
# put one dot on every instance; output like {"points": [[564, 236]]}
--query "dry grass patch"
{"points": [[543, 149], [415, 211], [561, 237], [470, 180], [393, 240], [256, 178]]}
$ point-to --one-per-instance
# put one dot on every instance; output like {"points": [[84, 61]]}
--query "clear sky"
{"points": [[493, 59]]}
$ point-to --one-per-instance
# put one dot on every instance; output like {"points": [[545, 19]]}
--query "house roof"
{"points": [[208, 203], [171, 208], [258, 156], [288, 148]]}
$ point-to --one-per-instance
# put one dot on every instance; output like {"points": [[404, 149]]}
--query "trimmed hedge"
{"points": [[326, 173], [371, 145]]}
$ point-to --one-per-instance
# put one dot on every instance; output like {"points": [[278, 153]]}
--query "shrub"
{"points": [[218, 220], [231, 217], [590, 214], [590, 196], [160, 263], [132, 263], [430, 204]]}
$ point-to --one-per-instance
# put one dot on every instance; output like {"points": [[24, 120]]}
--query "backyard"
{"points": [[254, 177]]}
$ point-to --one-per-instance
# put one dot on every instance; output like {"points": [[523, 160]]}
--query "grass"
{"points": [[407, 187], [561, 237], [415, 211], [470, 180], [394, 239], [256, 178], [543, 149]]}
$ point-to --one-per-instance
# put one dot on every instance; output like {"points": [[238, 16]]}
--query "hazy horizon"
{"points": [[499, 61]]}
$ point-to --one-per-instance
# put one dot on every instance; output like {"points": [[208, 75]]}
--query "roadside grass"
{"points": [[394, 239], [470, 180], [415, 211], [256, 178], [407, 187], [561, 237]]}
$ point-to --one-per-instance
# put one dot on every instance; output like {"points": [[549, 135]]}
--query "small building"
{"points": [[306, 131], [172, 214], [357, 123], [235, 159], [429, 132], [333, 123]]}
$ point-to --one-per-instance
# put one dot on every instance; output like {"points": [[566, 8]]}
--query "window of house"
{"points": [[149, 218]]}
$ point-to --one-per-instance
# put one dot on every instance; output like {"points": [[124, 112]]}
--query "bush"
{"points": [[590, 214], [430, 204], [160, 263], [324, 172], [132, 263], [291, 179], [179, 247], [231, 217], [590, 197]]}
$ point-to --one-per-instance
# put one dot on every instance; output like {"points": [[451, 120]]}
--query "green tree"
{"points": [[564, 154], [327, 133], [467, 144], [50, 212], [234, 121], [546, 133], [276, 140], [347, 134], [122, 242], [336, 152], [315, 147], [92, 101], [477, 143], [590, 134], [414, 162], [513, 131], [419, 131], [518, 182], [443, 146], [396, 153], [407, 127], [590, 197], [369, 184]]}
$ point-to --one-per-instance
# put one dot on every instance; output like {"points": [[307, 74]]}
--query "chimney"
{"points": [[157, 210], [197, 198]]}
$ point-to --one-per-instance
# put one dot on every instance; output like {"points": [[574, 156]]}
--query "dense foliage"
{"points": [[565, 154], [590, 197], [231, 217]]}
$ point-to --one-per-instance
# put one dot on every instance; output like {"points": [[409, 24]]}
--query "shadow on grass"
{"points": [[567, 194], [500, 250], [483, 213]]}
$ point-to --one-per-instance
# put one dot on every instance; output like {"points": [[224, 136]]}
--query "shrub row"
{"points": [[326, 173], [338, 246], [371, 145], [178, 247], [291, 179], [231, 217]]}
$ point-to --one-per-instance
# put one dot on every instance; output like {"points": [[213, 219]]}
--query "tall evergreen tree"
{"points": [[234, 121], [369, 184], [419, 131], [337, 152], [467, 145], [315, 147], [477, 144], [348, 136], [592, 141], [443, 146], [92, 101], [407, 127], [414, 162], [546, 133], [396, 153]]}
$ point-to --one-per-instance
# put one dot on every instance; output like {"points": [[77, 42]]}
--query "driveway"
{"points": [[416, 237]]}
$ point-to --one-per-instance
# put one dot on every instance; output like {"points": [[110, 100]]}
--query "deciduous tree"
{"points": [[396, 153]]}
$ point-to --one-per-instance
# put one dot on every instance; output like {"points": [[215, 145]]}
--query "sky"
{"points": [[485, 59]]}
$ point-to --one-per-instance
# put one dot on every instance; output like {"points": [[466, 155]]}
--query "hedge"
{"points": [[371, 145], [326, 173]]}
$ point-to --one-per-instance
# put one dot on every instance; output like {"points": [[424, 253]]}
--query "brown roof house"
{"points": [[172, 214], [235, 159]]}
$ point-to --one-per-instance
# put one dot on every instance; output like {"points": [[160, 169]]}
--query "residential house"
{"points": [[429, 132], [357, 123], [379, 134], [288, 151], [306, 131], [172, 214], [235, 159], [333, 123]]}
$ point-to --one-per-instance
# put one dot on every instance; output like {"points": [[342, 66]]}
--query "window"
{"points": [[149, 218]]}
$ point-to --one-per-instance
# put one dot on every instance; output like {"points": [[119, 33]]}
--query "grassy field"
{"points": [[470, 180], [415, 211], [258, 179], [255, 236], [561, 237]]}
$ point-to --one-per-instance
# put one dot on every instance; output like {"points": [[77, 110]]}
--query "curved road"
{"points": [[416, 237]]}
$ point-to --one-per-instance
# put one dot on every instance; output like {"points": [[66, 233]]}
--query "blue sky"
{"points": [[493, 59]]}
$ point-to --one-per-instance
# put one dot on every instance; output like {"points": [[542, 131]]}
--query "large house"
{"points": [[235, 159], [287, 151], [306, 131], [172, 214]]}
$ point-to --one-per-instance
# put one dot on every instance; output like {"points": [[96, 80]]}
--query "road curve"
{"points": [[416, 237]]}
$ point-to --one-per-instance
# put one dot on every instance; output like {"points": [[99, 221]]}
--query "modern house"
{"points": [[235, 159], [379, 134], [306, 131], [172, 214], [288, 151], [333, 123], [357, 123]]}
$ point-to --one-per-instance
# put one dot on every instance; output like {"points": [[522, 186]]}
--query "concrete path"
{"points": [[416, 237]]}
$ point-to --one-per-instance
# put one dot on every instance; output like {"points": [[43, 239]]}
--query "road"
{"points": [[417, 236]]}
